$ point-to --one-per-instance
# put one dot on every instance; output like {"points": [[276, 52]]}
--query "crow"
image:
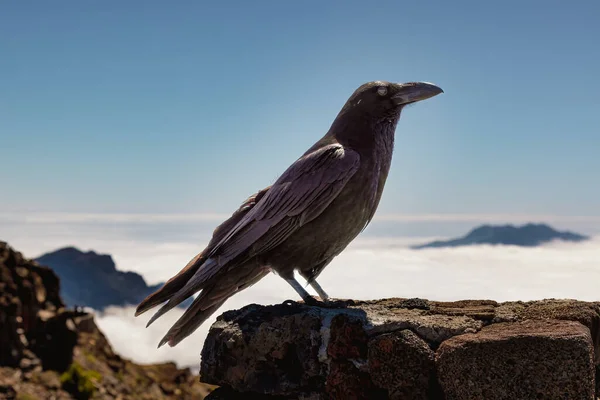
{"points": [[303, 220]]}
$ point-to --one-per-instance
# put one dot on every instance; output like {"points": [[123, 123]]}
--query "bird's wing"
{"points": [[297, 197], [304, 190], [178, 281]]}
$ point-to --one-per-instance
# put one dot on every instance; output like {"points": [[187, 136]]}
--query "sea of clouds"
{"points": [[372, 267]]}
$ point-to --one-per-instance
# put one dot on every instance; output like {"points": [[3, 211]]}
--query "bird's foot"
{"points": [[312, 301], [307, 300], [329, 303]]}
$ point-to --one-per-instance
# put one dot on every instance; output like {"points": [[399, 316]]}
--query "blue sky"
{"points": [[188, 107]]}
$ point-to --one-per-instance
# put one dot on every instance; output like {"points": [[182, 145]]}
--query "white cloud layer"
{"points": [[370, 269], [376, 265]]}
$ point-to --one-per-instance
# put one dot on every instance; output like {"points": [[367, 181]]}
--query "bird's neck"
{"points": [[366, 135]]}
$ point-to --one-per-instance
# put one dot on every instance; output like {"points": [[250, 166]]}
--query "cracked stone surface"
{"points": [[403, 349]]}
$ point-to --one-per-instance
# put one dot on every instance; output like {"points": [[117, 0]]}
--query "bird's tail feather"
{"points": [[211, 298], [193, 285], [200, 310], [172, 286]]}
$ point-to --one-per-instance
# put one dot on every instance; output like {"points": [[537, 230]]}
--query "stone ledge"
{"points": [[520, 360], [406, 349]]}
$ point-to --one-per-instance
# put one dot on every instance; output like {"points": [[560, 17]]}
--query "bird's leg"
{"points": [[315, 285], [306, 297]]}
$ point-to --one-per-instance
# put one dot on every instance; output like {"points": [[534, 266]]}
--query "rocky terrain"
{"points": [[406, 349], [528, 235], [50, 352]]}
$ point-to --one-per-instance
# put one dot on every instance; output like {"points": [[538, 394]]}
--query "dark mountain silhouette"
{"points": [[91, 279], [529, 235]]}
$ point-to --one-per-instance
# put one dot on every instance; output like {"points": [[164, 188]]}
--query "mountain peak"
{"points": [[528, 235], [74, 257], [92, 279]]}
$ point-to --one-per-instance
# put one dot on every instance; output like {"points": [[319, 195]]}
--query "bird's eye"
{"points": [[382, 90]]}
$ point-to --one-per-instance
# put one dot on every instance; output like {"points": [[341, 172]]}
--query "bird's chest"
{"points": [[360, 197], [327, 235], [358, 201]]}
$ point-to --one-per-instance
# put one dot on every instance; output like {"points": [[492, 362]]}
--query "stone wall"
{"points": [[406, 349]]}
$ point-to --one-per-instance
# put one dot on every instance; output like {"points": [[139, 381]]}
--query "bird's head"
{"points": [[375, 108], [385, 100]]}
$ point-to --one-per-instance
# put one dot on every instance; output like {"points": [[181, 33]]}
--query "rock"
{"points": [[86, 323], [280, 352], [48, 379], [573, 310], [430, 326], [526, 360], [402, 364], [484, 310], [346, 380], [347, 338], [27, 364], [225, 393], [53, 340], [294, 349], [7, 392], [405, 349], [26, 289], [78, 362]]}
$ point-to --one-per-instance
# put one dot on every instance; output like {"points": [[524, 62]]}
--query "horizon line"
{"points": [[82, 217]]}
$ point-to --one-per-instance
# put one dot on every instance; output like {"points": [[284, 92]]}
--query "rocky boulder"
{"points": [[522, 360], [405, 349], [26, 289], [50, 352]]}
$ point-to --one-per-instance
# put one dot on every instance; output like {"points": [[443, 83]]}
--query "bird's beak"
{"points": [[415, 91]]}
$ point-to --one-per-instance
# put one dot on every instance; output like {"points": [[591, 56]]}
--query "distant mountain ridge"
{"points": [[93, 280], [529, 235]]}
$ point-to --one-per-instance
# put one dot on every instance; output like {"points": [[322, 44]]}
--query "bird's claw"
{"points": [[313, 301]]}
